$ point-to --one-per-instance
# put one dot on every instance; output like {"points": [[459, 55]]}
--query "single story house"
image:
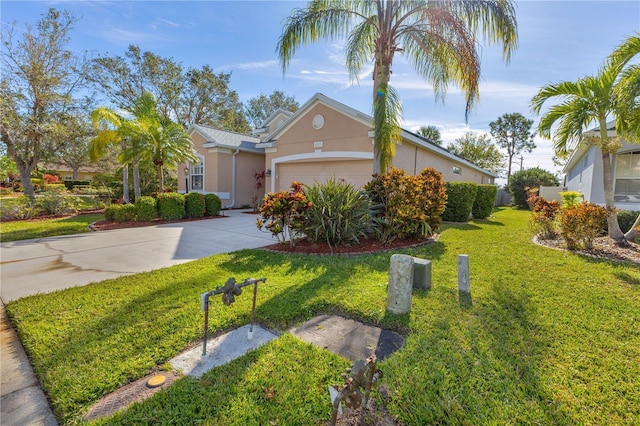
{"points": [[323, 139], [66, 173], [583, 172]]}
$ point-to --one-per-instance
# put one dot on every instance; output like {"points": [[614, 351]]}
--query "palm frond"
{"points": [[387, 110], [320, 20], [360, 46]]}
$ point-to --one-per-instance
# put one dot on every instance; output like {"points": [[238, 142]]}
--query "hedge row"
{"points": [[468, 199], [167, 206]]}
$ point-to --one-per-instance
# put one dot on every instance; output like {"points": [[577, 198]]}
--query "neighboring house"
{"points": [[66, 173], [323, 139], [583, 173]]}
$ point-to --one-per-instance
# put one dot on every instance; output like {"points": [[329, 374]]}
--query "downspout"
{"points": [[233, 181]]}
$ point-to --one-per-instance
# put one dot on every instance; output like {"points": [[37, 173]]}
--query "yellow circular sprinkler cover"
{"points": [[157, 380]]}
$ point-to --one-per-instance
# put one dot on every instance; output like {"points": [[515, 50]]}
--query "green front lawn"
{"points": [[550, 337], [16, 230]]}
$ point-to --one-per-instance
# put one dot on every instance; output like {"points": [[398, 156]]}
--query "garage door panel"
{"points": [[355, 172]]}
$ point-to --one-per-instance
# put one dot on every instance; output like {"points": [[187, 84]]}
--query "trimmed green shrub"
{"points": [[213, 205], [485, 199], [194, 205], [110, 212], [460, 199], [523, 181], [145, 209], [626, 219], [126, 213], [406, 206], [171, 206], [71, 183], [339, 213], [581, 224]]}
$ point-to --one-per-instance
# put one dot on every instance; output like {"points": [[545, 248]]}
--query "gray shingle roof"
{"points": [[223, 138]]}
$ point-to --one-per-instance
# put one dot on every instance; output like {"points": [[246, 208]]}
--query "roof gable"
{"points": [[318, 98], [223, 138]]}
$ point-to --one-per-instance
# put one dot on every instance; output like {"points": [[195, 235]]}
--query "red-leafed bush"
{"points": [[284, 213], [543, 215]]}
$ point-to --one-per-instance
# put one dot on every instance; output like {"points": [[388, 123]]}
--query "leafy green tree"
{"points": [[437, 38], [524, 180], [588, 101], [39, 91], [187, 96], [480, 150], [75, 153], [8, 168], [512, 132], [262, 106], [432, 133]]}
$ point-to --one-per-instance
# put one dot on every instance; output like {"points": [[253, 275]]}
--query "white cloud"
{"points": [[169, 23]]}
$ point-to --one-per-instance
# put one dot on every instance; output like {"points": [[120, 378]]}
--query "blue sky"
{"points": [[558, 40]]}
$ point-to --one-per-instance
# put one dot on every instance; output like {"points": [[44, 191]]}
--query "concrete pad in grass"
{"points": [[221, 350]]}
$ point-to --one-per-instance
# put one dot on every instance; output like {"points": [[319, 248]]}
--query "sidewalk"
{"points": [[23, 401], [50, 264]]}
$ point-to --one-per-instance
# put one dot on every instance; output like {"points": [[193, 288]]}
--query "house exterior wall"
{"points": [[586, 176], [247, 164], [343, 149], [218, 172], [340, 148], [580, 177], [414, 159]]}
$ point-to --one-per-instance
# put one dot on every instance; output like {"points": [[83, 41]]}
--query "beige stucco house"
{"points": [[226, 166], [323, 139]]}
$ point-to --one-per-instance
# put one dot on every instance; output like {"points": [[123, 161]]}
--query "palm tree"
{"points": [[627, 96], [111, 129], [582, 103], [161, 140], [432, 133], [146, 135], [437, 37]]}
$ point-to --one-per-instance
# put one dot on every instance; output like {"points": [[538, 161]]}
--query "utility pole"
{"points": [[521, 160]]}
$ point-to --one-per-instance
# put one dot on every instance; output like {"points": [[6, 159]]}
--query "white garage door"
{"points": [[356, 172]]}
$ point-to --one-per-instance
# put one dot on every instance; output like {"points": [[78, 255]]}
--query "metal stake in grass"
{"points": [[229, 292]]}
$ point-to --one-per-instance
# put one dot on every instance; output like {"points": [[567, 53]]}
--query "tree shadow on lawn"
{"points": [[628, 278], [478, 366], [104, 352]]}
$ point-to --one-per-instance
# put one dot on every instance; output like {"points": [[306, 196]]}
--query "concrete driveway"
{"points": [[49, 264]]}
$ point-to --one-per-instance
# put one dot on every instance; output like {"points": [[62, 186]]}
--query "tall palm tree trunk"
{"points": [[159, 168], [125, 184], [613, 228], [137, 193]]}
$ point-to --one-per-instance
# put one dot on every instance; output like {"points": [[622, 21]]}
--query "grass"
{"points": [[548, 338], [27, 229]]}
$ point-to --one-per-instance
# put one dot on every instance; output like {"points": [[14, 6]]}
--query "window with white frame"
{"points": [[627, 187], [197, 178]]}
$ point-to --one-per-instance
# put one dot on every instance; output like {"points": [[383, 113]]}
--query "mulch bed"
{"points": [[105, 225], [603, 248], [364, 247]]}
